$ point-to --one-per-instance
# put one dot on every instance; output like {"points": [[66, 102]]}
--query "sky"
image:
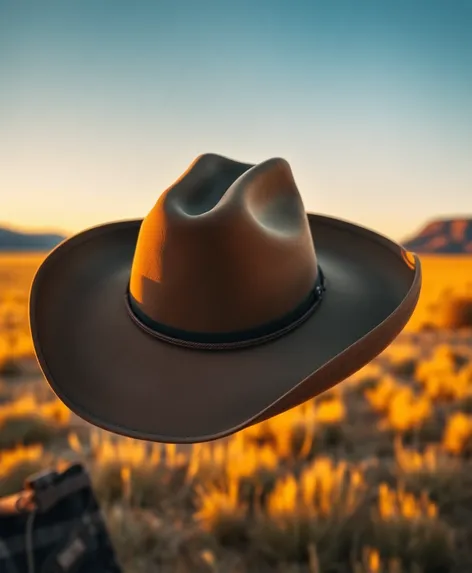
{"points": [[103, 104]]}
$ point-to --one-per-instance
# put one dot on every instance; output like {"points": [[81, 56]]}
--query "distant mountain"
{"points": [[16, 241], [447, 236]]}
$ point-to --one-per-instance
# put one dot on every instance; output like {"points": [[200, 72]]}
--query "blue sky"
{"points": [[104, 103]]}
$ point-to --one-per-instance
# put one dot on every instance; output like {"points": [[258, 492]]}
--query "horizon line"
{"points": [[48, 230]]}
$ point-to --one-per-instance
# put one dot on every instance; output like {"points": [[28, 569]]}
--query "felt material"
{"points": [[227, 248]]}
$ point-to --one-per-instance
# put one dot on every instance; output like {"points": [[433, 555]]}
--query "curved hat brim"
{"points": [[115, 376]]}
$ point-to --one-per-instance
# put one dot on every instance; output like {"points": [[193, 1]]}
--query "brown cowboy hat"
{"points": [[226, 305]]}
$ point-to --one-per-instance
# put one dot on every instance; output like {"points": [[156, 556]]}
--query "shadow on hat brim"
{"points": [[115, 376]]}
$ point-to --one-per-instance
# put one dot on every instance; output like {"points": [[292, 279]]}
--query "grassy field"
{"points": [[374, 476]]}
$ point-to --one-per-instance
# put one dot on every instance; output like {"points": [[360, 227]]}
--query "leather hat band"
{"points": [[230, 340]]}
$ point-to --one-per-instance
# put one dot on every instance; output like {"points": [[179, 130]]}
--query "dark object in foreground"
{"points": [[55, 526]]}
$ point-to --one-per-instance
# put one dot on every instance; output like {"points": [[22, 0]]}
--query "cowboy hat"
{"points": [[226, 305]]}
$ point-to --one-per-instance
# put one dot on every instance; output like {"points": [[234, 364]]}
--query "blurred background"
{"points": [[103, 104]]}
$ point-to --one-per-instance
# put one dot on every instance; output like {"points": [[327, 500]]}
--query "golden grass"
{"points": [[443, 276], [16, 273], [303, 492]]}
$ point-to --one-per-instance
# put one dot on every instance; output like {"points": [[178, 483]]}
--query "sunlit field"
{"points": [[374, 476]]}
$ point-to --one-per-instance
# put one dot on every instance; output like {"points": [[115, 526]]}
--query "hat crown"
{"points": [[226, 248]]}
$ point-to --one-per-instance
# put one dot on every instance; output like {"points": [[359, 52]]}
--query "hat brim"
{"points": [[115, 376]]}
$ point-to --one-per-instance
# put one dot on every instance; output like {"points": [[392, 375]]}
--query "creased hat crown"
{"points": [[226, 248]]}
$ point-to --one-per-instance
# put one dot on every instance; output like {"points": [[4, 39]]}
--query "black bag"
{"points": [[55, 526]]}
